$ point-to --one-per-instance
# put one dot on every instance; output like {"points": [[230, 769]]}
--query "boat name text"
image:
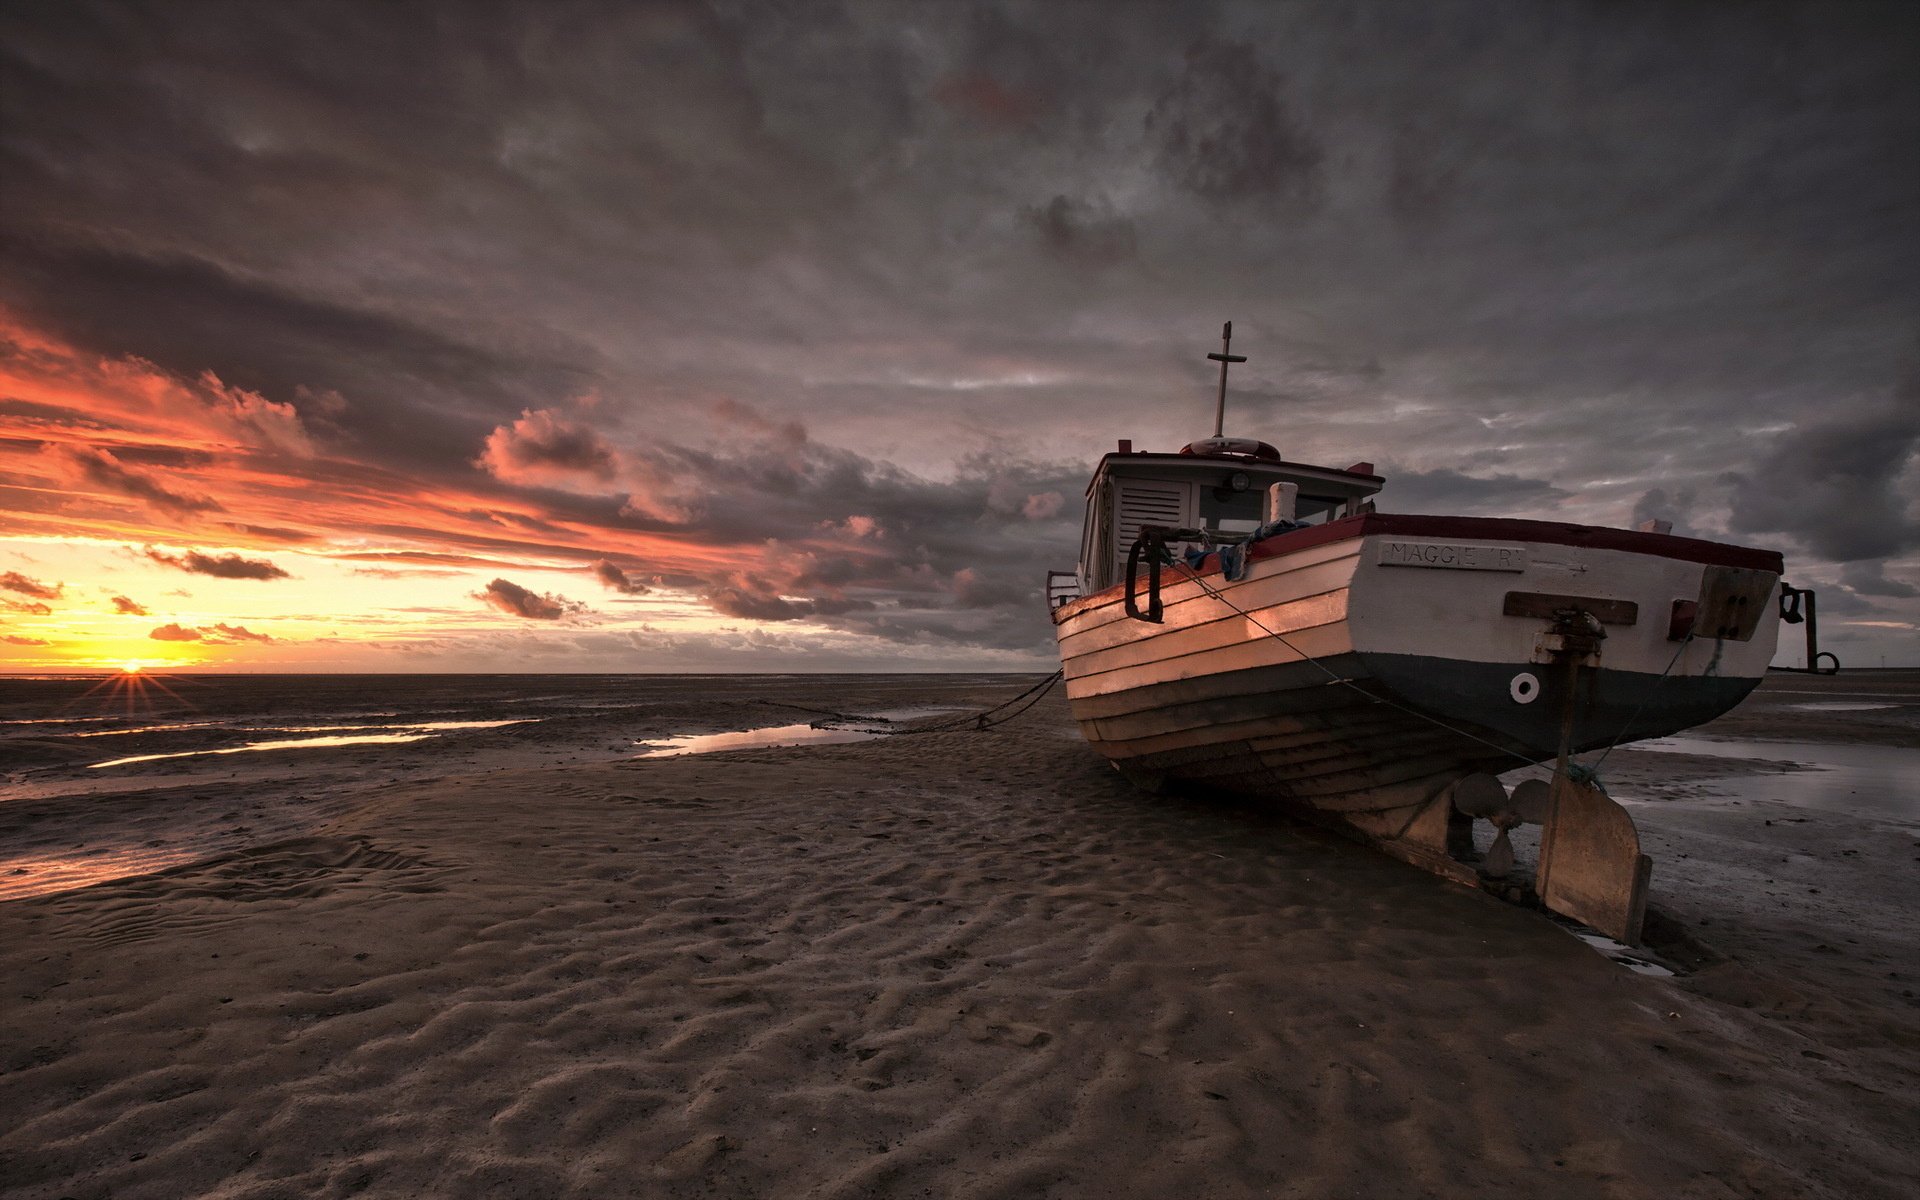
{"points": [[1453, 555]]}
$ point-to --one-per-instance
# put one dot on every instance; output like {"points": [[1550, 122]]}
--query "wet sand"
{"points": [[962, 964]]}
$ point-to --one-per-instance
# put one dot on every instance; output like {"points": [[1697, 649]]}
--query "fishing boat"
{"points": [[1251, 625]]}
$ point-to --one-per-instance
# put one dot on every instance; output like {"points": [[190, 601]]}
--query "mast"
{"points": [[1223, 358]]}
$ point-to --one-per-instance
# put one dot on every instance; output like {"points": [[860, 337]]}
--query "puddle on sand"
{"points": [[1621, 953], [279, 744], [747, 739], [879, 725], [36, 875], [415, 733], [1878, 781]]}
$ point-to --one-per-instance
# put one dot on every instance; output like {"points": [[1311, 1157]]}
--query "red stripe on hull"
{"points": [[1492, 529]]}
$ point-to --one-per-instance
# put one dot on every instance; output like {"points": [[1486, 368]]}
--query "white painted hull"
{"points": [[1391, 681]]}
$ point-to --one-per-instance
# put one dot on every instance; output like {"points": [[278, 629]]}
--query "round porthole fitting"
{"points": [[1525, 688]]}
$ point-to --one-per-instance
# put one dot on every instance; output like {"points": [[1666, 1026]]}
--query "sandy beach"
{"points": [[960, 964]]}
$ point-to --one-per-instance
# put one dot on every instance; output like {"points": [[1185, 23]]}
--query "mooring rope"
{"points": [[973, 720], [820, 712], [1335, 677]]}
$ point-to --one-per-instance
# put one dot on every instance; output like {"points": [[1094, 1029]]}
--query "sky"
{"points": [[784, 336]]}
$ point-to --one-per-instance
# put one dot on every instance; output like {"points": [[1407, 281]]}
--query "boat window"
{"points": [[1225, 511], [1316, 510]]}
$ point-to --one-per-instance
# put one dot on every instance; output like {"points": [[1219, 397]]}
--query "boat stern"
{"points": [[1480, 623]]}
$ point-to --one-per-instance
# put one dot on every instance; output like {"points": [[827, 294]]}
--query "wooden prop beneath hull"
{"points": [[1591, 868]]}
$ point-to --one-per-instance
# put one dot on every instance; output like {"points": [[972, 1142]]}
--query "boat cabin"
{"points": [[1228, 486]]}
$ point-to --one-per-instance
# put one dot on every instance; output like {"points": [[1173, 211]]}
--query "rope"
{"points": [[820, 712], [1594, 770], [976, 720]]}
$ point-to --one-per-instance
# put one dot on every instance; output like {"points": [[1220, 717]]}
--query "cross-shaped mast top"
{"points": [[1223, 358]]}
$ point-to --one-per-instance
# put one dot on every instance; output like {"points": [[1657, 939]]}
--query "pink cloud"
{"points": [[544, 448]]}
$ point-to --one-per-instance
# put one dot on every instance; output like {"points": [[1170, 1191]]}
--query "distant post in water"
{"points": [[1223, 358]]}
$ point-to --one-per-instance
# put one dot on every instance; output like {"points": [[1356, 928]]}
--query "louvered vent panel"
{"points": [[1146, 504]]}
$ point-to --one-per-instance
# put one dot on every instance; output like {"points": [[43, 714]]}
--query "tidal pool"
{"points": [[1875, 781]]}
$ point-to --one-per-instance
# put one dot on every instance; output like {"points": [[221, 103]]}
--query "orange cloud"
{"points": [[218, 634], [775, 526], [255, 461], [14, 581]]}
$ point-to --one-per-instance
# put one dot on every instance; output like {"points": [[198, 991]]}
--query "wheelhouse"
{"points": [[1226, 486]]}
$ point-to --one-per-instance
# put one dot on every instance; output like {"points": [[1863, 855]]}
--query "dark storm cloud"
{"points": [[1655, 504], [1076, 229], [757, 605], [982, 539], [220, 566], [1558, 259], [1449, 491], [1870, 579], [509, 597], [1225, 130], [1833, 485]]}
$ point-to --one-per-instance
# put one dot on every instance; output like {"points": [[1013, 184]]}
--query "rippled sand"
{"points": [[955, 965]]}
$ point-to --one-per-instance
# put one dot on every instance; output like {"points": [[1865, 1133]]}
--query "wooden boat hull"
{"points": [[1391, 679]]}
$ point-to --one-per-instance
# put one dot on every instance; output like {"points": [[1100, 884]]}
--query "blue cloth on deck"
{"points": [[1233, 556]]}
